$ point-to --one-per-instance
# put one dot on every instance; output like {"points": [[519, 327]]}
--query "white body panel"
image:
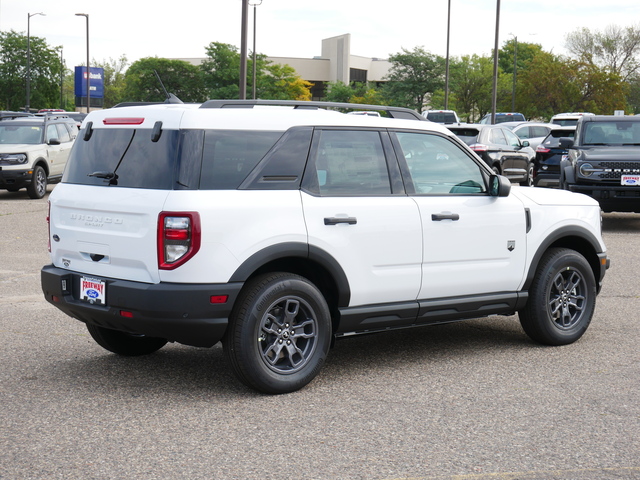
{"points": [[380, 254]]}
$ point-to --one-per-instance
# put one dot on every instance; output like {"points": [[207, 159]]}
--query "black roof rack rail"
{"points": [[393, 112], [12, 115]]}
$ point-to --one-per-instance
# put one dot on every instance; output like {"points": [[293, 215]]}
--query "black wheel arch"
{"points": [[41, 162], [574, 238], [308, 261]]}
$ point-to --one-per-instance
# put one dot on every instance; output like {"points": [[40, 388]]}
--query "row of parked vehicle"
{"points": [[528, 153]]}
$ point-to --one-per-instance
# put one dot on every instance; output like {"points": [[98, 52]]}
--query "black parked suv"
{"points": [[549, 154], [604, 161], [500, 148]]}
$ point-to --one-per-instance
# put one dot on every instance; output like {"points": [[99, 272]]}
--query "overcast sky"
{"points": [[292, 28]]}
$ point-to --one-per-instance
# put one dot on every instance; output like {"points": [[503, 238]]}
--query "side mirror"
{"points": [[566, 142], [54, 141], [499, 186], [525, 143]]}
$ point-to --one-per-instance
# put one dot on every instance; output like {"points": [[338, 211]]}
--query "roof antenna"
{"points": [[171, 98]]}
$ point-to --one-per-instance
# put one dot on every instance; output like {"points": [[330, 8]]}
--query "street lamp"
{"points": [[29, 15], [61, 79], [494, 97], [446, 74], [243, 51], [86, 15], [254, 4]]}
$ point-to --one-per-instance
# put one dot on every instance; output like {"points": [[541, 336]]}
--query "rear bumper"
{"points": [[180, 313]]}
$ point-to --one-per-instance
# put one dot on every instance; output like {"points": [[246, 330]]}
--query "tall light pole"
{"points": [[86, 15], [254, 4], [243, 51], [494, 98], [29, 15], [61, 79], [446, 73]]}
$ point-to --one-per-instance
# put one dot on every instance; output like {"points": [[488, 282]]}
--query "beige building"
{"points": [[334, 64]]}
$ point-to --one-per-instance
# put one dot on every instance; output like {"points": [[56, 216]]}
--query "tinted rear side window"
{"points": [[230, 155]]}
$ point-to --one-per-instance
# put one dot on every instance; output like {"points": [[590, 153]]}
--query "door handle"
{"points": [[436, 217], [337, 220]]}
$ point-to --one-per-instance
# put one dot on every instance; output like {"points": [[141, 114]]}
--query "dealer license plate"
{"points": [[630, 180], [93, 290]]}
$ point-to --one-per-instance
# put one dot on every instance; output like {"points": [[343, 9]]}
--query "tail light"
{"points": [[542, 149], [479, 147], [178, 238]]}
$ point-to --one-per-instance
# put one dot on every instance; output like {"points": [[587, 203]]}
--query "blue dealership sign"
{"points": [[96, 82]]}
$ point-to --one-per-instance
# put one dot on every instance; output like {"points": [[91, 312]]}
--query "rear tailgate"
{"points": [[106, 232]]}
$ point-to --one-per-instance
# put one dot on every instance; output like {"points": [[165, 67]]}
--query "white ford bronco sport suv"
{"points": [[34, 151], [277, 227]]}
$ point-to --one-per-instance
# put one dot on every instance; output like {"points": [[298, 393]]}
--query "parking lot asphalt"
{"points": [[475, 400]]}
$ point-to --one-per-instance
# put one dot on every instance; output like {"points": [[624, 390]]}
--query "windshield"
{"points": [[612, 133], [21, 134]]}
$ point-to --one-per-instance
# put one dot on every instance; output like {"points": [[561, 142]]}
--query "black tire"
{"points": [[561, 299], [38, 186], [279, 333], [123, 343], [496, 170]]}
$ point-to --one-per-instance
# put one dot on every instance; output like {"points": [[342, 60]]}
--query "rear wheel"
{"points": [[38, 186], [126, 344], [279, 333], [561, 299]]}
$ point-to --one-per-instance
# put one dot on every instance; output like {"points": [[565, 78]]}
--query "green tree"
{"points": [[413, 77], [221, 71], [523, 51], [282, 83], [44, 72], [471, 86], [357, 92], [616, 48], [553, 84], [179, 77], [114, 79]]}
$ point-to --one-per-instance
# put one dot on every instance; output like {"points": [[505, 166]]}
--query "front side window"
{"points": [[351, 162], [438, 166], [512, 138]]}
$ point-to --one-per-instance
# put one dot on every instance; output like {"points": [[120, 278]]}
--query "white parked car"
{"points": [[34, 151], [276, 229]]}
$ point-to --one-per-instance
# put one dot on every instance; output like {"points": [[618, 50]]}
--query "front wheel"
{"points": [[529, 180], [38, 186], [279, 333], [126, 344], [561, 299]]}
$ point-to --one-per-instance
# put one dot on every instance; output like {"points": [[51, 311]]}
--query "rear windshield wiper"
{"points": [[105, 175]]}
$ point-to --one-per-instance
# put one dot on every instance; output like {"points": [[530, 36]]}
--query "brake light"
{"points": [[479, 147], [542, 149], [123, 121], [178, 238]]}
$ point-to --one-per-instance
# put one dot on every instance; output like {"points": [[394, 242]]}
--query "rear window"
{"points": [[467, 135], [510, 118], [442, 117], [187, 159]]}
